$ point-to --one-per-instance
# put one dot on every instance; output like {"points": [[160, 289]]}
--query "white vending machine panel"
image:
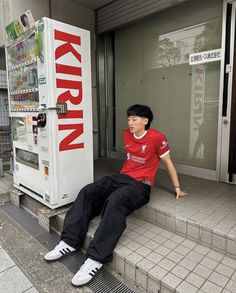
{"points": [[50, 103]]}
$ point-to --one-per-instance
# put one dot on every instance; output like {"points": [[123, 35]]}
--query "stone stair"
{"points": [[156, 259], [207, 215], [207, 231], [170, 246]]}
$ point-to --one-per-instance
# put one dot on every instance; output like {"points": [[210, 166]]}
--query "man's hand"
{"points": [[179, 193], [173, 175]]}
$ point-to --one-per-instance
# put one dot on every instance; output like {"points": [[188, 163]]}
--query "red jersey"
{"points": [[143, 155]]}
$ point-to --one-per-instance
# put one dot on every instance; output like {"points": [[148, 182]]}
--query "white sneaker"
{"points": [[60, 250], [86, 273]]}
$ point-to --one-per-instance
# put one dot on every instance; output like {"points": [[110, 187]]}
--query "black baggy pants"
{"points": [[114, 196]]}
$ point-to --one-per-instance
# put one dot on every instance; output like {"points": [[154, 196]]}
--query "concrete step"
{"points": [[209, 220], [207, 215], [153, 258]]}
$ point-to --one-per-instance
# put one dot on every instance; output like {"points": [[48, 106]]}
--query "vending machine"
{"points": [[50, 104]]}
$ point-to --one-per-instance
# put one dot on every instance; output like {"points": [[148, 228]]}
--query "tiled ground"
{"points": [[155, 258], [209, 203], [207, 214]]}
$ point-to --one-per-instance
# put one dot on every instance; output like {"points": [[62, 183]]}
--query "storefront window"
{"points": [[152, 67]]}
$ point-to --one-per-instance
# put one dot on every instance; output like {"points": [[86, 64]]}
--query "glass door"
{"points": [[152, 66], [228, 117]]}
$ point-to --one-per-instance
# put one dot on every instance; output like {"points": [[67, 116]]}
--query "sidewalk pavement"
{"points": [[12, 279], [22, 266]]}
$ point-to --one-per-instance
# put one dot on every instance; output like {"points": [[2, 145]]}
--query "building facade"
{"points": [[177, 57]]}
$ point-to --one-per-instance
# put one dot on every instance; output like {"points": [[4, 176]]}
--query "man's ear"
{"points": [[145, 120]]}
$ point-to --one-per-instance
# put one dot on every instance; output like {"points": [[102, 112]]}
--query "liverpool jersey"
{"points": [[143, 154]]}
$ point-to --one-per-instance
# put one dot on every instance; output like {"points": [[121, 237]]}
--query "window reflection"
{"points": [[152, 67]]}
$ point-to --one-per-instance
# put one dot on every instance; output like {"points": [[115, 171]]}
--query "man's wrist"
{"points": [[176, 186]]}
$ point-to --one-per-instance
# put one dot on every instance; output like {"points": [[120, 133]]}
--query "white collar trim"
{"points": [[139, 137]]}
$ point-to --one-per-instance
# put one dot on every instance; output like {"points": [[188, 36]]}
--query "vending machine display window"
{"points": [[27, 158], [21, 52], [23, 79], [23, 76]]}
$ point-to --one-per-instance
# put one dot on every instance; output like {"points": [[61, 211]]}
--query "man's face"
{"points": [[137, 124]]}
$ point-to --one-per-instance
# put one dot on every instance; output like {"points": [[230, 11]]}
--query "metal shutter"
{"points": [[122, 12]]}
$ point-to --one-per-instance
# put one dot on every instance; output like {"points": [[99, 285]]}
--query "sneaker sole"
{"points": [[52, 260], [79, 286]]}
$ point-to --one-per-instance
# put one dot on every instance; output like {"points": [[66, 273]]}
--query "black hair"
{"points": [[141, 111], [22, 19]]}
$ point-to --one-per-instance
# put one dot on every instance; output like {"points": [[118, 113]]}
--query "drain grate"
{"points": [[108, 279], [104, 281], [98, 287], [122, 289]]}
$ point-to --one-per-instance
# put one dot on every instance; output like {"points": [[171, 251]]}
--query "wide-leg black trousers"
{"points": [[114, 196]]}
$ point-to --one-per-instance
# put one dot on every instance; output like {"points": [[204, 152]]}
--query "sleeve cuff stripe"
{"points": [[166, 153]]}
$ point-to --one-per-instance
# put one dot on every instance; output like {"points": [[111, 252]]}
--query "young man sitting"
{"points": [[116, 196]]}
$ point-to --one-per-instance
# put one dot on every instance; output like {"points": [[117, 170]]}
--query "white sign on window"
{"points": [[204, 57]]}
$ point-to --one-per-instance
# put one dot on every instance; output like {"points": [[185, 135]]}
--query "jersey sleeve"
{"points": [[162, 146]]}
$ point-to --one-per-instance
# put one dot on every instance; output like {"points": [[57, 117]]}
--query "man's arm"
{"points": [[173, 175]]}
